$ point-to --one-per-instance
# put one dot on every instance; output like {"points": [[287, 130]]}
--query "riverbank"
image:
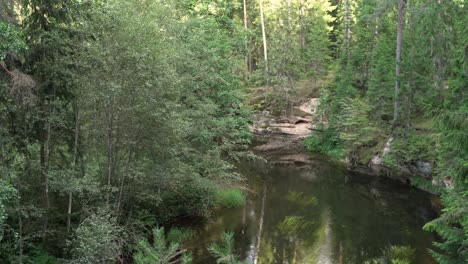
{"points": [[281, 138]]}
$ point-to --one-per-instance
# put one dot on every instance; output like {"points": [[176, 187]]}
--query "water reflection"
{"points": [[260, 225], [318, 214]]}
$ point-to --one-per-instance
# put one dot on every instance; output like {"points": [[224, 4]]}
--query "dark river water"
{"points": [[318, 213]]}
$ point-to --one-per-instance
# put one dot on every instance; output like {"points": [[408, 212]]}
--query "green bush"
{"points": [[411, 147], [194, 196], [39, 256], [326, 142], [229, 198], [160, 251], [452, 226], [98, 239]]}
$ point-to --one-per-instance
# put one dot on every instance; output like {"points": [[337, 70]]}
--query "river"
{"points": [[317, 212]]}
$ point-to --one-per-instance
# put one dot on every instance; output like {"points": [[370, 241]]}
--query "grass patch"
{"points": [[423, 124], [229, 198], [179, 235]]}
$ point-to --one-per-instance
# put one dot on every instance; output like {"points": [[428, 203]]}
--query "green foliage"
{"points": [[360, 102], [7, 195], [39, 256], [357, 129], [8, 235], [160, 251], [11, 40], [229, 198], [452, 126], [327, 142], [394, 255], [297, 47], [98, 239], [191, 196], [224, 253], [452, 226], [410, 147]]}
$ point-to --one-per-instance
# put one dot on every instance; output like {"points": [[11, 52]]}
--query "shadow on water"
{"points": [[318, 213]]}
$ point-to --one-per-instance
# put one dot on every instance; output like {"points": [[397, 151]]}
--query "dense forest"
{"points": [[119, 117]]}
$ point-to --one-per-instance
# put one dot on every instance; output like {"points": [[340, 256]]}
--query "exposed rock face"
{"points": [[446, 182], [310, 106], [421, 167], [298, 125], [282, 135], [376, 160]]}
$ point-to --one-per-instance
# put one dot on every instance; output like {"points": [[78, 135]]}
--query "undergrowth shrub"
{"points": [[229, 198], [326, 142], [411, 147]]}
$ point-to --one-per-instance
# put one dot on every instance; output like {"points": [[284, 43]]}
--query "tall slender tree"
{"points": [[396, 117], [246, 45], [264, 40]]}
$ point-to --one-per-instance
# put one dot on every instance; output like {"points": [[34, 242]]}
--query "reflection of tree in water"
{"points": [[363, 214], [301, 199], [394, 254], [292, 228], [297, 231], [260, 224], [350, 224]]}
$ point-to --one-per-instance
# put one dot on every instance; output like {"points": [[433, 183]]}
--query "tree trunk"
{"points": [[396, 117], [20, 222], [43, 141], [122, 181], [110, 147], [75, 161], [347, 26], [347, 20], [244, 216], [302, 24], [412, 68], [247, 57], [287, 60], [119, 200], [265, 50]]}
